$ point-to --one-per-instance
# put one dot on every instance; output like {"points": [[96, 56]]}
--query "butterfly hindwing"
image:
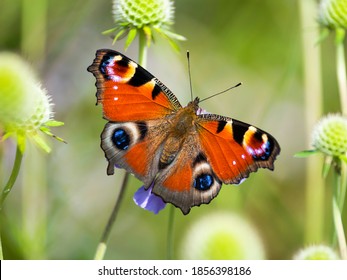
{"points": [[134, 146], [189, 180]]}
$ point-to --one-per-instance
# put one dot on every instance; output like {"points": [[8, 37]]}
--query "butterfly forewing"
{"points": [[127, 91], [235, 148]]}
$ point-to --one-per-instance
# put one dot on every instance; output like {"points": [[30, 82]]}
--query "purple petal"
{"points": [[201, 111], [148, 201]]}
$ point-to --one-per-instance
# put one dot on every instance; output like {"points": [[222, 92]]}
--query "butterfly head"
{"points": [[194, 105]]}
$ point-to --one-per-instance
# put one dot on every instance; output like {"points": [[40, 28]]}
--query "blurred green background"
{"points": [[61, 201]]}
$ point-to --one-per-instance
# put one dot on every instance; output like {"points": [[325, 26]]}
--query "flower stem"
{"points": [[13, 176], [313, 102], [8, 187], [341, 69], [170, 233], [339, 231], [1, 253], [142, 49], [101, 249], [341, 193]]}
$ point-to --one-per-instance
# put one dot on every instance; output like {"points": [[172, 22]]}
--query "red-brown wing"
{"points": [[234, 149], [127, 91], [189, 180]]}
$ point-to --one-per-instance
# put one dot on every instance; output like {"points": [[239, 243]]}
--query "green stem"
{"points": [[13, 177], [170, 233], [34, 205], [313, 102], [339, 231], [142, 49], [101, 249], [1, 254], [341, 69], [8, 187], [341, 193]]}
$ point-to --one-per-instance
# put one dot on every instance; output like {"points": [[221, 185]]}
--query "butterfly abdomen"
{"points": [[182, 127], [170, 150]]}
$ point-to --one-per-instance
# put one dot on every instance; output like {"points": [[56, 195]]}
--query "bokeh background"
{"points": [[60, 204]]}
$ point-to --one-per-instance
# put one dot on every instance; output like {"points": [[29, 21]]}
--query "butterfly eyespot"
{"points": [[261, 153], [203, 182], [121, 139], [104, 63], [266, 150]]}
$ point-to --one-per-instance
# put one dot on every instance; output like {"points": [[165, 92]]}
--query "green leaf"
{"points": [[174, 36], [41, 142], [119, 35], [326, 166], [130, 38], [340, 35], [109, 31], [343, 158], [171, 41], [6, 136], [53, 123], [306, 153], [323, 35], [148, 33], [47, 131]]}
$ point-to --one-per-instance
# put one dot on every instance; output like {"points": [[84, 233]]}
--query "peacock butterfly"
{"points": [[184, 154]]}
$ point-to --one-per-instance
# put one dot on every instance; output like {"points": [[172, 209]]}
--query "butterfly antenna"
{"points": [[218, 93], [190, 77]]}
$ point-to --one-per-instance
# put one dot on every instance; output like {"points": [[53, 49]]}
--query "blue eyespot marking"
{"points": [[267, 150], [121, 139], [203, 182], [261, 153]]}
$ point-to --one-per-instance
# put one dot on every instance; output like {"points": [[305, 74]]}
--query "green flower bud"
{"points": [[316, 252], [16, 79], [333, 13], [139, 13], [25, 107], [143, 17], [222, 236], [330, 135]]}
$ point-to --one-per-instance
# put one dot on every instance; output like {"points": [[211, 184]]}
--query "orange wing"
{"points": [[127, 91], [234, 149]]}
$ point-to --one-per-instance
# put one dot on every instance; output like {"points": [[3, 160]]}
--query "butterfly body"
{"points": [[183, 153]]}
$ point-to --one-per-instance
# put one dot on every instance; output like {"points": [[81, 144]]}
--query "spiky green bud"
{"points": [[330, 135], [222, 236], [25, 107], [144, 17], [316, 252], [333, 13], [139, 13]]}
